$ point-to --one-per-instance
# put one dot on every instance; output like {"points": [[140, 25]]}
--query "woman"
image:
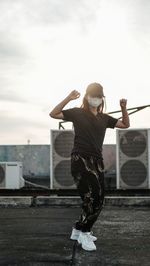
{"points": [[87, 167]]}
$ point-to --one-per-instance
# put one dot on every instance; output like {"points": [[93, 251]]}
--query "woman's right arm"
{"points": [[57, 111]]}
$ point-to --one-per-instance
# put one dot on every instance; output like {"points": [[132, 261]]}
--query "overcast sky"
{"points": [[50, 47]]}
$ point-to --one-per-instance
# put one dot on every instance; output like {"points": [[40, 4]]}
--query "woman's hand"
{"points": [[123, 103], [125, 122], [73, 95]]}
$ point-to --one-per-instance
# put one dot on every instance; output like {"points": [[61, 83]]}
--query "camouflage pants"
{"points": [[88, 174]]}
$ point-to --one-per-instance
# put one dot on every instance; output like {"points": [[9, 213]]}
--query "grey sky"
{"points": [[49, 47]]}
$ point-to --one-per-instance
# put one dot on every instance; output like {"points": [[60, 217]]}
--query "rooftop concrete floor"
{"points": [[40, 236]]}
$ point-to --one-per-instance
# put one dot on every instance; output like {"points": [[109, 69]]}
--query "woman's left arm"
{"points": [[125, 122]]}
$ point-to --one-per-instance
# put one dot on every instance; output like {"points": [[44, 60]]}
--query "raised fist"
{"points": [[74, 95], [123, 103]]}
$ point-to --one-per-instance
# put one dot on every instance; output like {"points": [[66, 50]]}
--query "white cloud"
{"points": [[48, 48]]}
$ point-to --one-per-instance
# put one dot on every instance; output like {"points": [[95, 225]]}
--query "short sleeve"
{"points": [[69, 114], [111, 121]]}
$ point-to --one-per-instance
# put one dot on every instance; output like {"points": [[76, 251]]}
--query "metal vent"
{"points": [[63, 144], [133, 143], [133, 173], [2, 175], [133, 166], [62, 173]]}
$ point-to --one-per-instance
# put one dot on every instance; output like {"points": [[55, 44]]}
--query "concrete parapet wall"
{"points": [[40, 201], [15, 201]]}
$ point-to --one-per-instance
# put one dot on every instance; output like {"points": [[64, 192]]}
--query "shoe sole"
{"points": [[73, 238]]}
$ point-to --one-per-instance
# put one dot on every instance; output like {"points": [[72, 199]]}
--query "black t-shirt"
{"points": [[89, 130]]}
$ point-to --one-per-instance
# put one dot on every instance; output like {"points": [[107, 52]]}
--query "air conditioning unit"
{"points": [[61, 146], [133, 158], [11, 175]]}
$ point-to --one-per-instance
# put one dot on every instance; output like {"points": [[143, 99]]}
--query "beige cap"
{"points": [[95, 90]]}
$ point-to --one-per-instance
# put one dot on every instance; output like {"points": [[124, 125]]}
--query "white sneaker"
{"points": [[75, 234], [86, 241]]}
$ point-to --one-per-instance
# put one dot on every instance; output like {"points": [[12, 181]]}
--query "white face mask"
{"points": [[94, 101]]}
